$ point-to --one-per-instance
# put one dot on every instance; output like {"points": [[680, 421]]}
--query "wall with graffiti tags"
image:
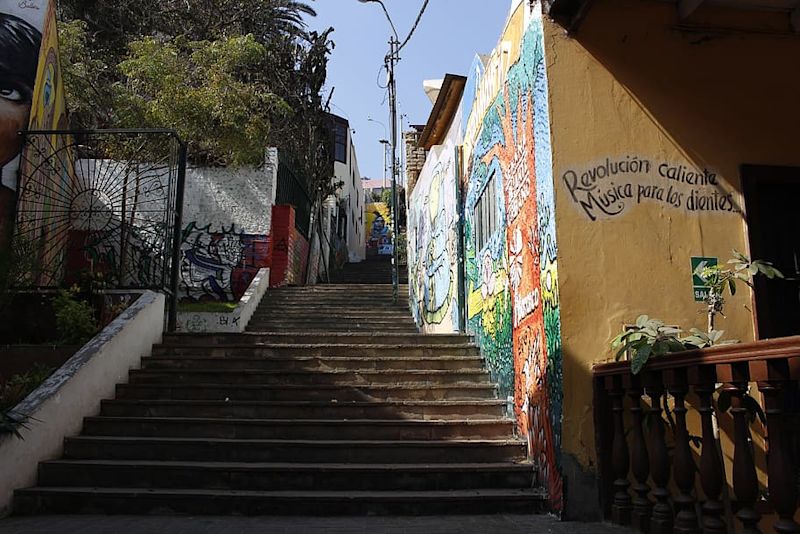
{"points": [[433, 231], [227, 222], [510, 245]]}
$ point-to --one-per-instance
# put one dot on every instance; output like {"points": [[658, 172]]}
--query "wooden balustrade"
{"points": [[645, 448]]}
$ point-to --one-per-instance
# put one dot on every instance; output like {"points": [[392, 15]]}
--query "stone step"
{"points": [[311, 363], [164, 448], [292, 392], [320, 349], [322, 314], [330, 321], [343, 378], [244, 476], [70, 500], [305, 337], [415, 410], [267, 326], [381, 429]]}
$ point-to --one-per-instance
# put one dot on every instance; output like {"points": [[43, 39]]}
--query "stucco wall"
{"points": [[227, 225], [635, 107], [433, 238], [74, 391]]}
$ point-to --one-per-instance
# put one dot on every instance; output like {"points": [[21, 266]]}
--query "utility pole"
{"points": [[392, 60]]}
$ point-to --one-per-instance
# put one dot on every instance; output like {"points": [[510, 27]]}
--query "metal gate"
{"points": [[105, 202]]}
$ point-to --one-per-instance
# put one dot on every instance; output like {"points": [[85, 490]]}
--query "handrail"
{"points": [[767, 349]]}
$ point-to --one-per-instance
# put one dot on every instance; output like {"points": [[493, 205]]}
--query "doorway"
{"points": [[771, 197]]}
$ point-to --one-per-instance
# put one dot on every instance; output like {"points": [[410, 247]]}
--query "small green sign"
{"points": [[699, 284]]}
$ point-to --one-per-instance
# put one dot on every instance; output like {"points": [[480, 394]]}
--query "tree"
{"points": [[231, 76]]}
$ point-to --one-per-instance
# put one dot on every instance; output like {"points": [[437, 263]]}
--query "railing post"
{"points": [[621, 507], [712, 476], [661, 521], [172, 321], [772, 378], [745, 481], [640, 462], [683, 467]]}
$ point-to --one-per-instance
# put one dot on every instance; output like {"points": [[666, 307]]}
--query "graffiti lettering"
{"points": [[600, 197], [524, 306], [28, 4]]}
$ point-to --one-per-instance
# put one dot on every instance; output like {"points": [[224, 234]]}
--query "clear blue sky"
{"points": [[448, 37]]}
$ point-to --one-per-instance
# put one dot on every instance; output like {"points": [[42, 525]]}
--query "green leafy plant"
{"points": [[719, 279], [20, 385], [75, 319], [652, 337], [648, 337]]}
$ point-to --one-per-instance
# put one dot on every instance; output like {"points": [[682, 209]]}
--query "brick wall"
{"points": [[289, 251]]}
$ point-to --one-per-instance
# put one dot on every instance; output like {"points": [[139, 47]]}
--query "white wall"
{"points": [[227, 218], [353, 192]]}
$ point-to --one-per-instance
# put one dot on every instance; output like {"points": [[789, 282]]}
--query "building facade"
{"points": [[591, 167]]}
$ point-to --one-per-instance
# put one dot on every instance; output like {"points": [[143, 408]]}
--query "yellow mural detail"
{"points": [[48, 112]]}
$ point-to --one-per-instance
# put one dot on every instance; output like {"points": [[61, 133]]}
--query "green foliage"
{"points": [[21, 385], [203, 89], [401, 242], [13, 392], [15, 267], [75, 319], [651, 337], [231, 76]]}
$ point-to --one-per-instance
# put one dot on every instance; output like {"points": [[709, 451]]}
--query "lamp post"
{"points": [[391, 60], [385, 143]]}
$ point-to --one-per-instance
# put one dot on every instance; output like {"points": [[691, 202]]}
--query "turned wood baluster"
{"points": [[683, 466], [621, 506], [745, 482], [661, 520], [712, 475], [640, 463], [773, 380]]}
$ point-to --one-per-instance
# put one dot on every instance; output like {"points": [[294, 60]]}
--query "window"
{"points": [[485, 214], [340, 141]]}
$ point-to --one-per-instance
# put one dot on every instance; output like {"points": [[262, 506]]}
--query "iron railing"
{"points": [[103, 202]]}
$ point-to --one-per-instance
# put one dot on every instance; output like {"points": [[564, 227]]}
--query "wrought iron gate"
{"points": [[104, 201]]}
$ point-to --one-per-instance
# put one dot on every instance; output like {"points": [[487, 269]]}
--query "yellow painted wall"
{"points": [[629, 84]]}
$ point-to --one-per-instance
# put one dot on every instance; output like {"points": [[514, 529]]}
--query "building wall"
{"points": [[433, 230], [352, 192], [512, 281], [227, 225], [634, 105]]}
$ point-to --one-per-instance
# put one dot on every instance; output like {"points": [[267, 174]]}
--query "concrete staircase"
{"points": [[373, 270], [331, 404]]}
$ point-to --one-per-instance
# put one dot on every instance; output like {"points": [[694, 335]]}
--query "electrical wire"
{"points": [[414, 27]]}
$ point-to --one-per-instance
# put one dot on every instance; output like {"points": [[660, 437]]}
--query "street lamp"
{"points": [[391, 60]]}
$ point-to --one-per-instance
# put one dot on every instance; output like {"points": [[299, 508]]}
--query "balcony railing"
{"points": [[659, 478]]}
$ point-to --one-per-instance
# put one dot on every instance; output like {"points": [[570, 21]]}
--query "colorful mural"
{"points": [[219, 265], [511, 252], [21, 26], [432, 261], [378, 229]]}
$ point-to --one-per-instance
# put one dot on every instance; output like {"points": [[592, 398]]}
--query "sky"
{"points": [[449, 35]]}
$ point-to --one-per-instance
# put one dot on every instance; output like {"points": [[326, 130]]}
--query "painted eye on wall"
{"points": [[9, 93]]}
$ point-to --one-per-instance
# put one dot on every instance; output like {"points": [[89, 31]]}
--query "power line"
{"points": [[414, 27]]}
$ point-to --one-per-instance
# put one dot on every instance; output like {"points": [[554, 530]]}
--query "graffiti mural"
{"points": [[432, 261], [511, 251], [21, 25], [219, 265], [378, 229]]}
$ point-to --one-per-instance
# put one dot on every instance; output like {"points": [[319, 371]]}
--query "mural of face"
{"points": [[19, 52]]}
